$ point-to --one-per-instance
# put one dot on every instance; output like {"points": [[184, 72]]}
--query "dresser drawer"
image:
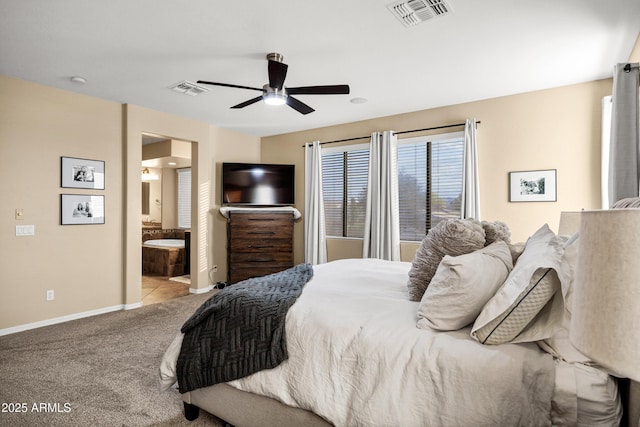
{"points": [[260, 245], [240, 273], [261, 226], [261, 233], [240, 218], [260, 258]]}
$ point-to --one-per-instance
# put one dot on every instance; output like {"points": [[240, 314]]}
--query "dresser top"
{"points": [[226, 210]]}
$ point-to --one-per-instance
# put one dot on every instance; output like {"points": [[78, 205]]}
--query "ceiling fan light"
{"points": [[273, 96], [275, 100]]}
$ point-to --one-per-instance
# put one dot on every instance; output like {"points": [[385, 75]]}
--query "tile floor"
{"points": [[157, 289]]}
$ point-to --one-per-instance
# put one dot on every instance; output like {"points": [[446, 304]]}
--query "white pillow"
{"points": [[462, 285], [528, 306]]}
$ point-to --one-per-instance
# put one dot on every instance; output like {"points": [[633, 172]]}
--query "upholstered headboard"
{"points": [[630, 202]]}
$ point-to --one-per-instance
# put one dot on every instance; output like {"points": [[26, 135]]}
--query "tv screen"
{"points": [[258, 184]]}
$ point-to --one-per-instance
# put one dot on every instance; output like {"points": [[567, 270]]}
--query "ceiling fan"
{"points": [[275, 93]]}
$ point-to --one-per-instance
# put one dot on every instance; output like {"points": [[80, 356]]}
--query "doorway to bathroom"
{"points": [[166, 218]]}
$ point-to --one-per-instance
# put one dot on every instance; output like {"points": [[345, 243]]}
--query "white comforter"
{"points": [[356, 358]]}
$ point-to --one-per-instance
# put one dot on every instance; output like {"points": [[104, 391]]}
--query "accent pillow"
{"points": [[462, 285], [526, 294], [449, 237], [494, 231]]}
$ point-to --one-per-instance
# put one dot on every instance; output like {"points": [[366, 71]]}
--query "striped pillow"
{"points": [[530, 287], [508, 325]]}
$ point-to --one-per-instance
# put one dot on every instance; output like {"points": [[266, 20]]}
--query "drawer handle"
{"points": [[262, 232], [260, 246], [262, 260]]}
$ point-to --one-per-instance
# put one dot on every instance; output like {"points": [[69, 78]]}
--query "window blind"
{"points": [[430, 181], [344, 185], [184, 198]]}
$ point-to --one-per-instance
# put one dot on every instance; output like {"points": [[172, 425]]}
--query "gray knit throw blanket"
{"points": [[240, 330]]}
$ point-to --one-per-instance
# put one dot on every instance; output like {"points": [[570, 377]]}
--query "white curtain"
{"points": [[470, 186], [382, 221], [315, 241], [624, 164]]}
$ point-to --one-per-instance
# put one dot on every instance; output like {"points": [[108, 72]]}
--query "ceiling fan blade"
{"points": [[299, 106], [249, 102], [277, 73], [229, 85], [319, 90]]}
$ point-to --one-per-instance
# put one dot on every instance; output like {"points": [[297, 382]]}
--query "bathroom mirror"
{"points": [[145, 198]]}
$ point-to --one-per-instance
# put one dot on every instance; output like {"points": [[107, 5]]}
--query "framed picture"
{"points": [[81, 173], [533, 186], [81, 209]]}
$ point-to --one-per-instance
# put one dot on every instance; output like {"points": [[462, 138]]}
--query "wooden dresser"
{"points": [[258, 243]]}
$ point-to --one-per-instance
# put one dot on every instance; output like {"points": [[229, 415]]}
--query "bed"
{"points": [[357, 357]]}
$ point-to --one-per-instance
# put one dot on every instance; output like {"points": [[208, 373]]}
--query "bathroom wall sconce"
{"points": [[148, 176]]}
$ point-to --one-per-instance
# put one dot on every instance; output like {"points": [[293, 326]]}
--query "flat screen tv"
{"points": [[254, 184]]}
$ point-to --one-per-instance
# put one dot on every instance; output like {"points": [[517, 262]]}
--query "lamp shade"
{"points": [[569, 223], [605, 318]]}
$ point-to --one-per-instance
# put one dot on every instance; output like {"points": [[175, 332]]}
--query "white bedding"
{"points": [[357, 358]]}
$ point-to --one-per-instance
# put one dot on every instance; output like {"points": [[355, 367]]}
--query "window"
{"points": [[184, 198], [344, 185], [430, 182], [429, 178]]}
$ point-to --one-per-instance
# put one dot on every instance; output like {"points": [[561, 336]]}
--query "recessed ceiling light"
{"points": [[172, 163], [78, 80], [358, 100]]}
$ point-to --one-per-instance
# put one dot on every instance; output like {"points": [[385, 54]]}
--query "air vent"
{"points": [[413, 12], [189, 88]]}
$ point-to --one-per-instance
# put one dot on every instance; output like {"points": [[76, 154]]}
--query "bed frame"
{"points": [[241, 408]]}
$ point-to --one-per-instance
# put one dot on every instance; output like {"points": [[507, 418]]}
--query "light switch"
{"points": [[25, 230], [19, 213]]}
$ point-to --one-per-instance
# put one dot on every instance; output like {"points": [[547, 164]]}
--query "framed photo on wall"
{"points": [[533, 186], [81, 209], [81, 173]]}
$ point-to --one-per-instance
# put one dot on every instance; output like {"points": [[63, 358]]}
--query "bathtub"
{"points": [[164, 257], [164, 243]]}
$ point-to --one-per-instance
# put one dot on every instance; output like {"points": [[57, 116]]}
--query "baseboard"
{"points": [[200, 290], [55, 320], [132, 306]]}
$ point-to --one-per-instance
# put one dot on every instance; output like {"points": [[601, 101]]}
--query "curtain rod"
{"points": [[397, 133]]}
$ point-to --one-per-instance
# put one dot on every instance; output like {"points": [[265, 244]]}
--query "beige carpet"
{"points": [[98, 371]]}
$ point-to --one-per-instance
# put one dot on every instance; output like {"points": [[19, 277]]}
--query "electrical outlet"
{"points": [[50, 295]]}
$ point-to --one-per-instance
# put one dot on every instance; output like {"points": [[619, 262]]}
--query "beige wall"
{"points": [[82, 264], [229, 146], [635, 52], [549, 129], [93, 268]]}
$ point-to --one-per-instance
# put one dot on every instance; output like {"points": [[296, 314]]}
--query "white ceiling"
{"points": [[134, 51]]}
